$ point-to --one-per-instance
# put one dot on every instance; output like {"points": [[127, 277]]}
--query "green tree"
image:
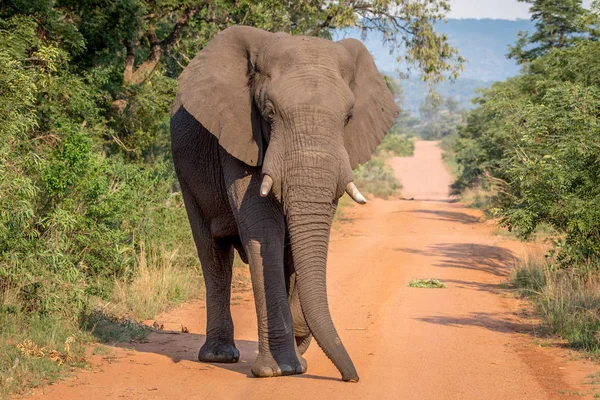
{"points": [[559, 24], [85, 92], [534, 139]]}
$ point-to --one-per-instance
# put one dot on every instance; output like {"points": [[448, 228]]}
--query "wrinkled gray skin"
{"points": [[303, 111]]}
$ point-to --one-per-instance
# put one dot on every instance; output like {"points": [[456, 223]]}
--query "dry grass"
{"points": [[240, 281], [567, 301], [157, 284], [477, 197]]}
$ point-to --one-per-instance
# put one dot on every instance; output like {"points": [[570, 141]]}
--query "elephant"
{"points": [[266, 129]]}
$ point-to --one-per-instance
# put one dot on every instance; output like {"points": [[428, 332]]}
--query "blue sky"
{"points": [[499, 9]]}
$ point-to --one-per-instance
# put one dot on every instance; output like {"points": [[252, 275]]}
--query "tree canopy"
{"points": [[85, 92], [534, 140], [558, 23]]}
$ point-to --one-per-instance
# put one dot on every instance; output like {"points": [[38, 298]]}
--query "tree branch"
{"points": [[157, 47], [321, 26]]}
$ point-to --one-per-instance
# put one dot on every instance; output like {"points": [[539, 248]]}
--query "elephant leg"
{"points": [[216, 258], [302, 333], [262, 232], [217, 270]]}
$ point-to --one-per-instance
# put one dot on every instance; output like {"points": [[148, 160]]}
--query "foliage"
{"points": [[558, 23], [427, 284], [378, 178], [396, 144], [438, 118], [533, 140], [86, 181]]}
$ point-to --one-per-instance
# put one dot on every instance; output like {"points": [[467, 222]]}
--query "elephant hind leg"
{"points": [[219, 346], [216, 259]]}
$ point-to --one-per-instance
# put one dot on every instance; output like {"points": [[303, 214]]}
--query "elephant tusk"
{"points": [[353, 192], [266, 186]]}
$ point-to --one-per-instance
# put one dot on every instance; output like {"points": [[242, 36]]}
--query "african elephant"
{"points": [[266, 129]]}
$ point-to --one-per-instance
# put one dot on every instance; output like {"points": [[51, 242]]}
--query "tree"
{"points": [[85, 92], [559, 23]]}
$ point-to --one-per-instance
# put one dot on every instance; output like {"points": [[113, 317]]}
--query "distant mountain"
{"points": [[483, 42]]}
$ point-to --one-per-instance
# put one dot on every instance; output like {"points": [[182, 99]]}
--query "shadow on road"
{"points": [[180, 346], [447, 216], [477, 257], [492, 322], [185, 346]]}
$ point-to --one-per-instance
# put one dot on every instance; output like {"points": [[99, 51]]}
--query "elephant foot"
{"points": [[265, 366], [219, 353], [302, 343]]}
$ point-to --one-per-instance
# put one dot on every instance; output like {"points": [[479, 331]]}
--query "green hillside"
{"points": [[483, 42]]}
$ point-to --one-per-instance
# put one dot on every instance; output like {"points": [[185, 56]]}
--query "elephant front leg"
{"points": [[262, 231], [276, 348]]}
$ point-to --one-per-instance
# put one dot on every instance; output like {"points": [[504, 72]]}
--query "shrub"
{"points": [[568, 302], [377, 178], [533, 141], [397, 145]]}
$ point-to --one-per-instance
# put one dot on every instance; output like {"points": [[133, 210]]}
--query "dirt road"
{"points": [[469, 341]]}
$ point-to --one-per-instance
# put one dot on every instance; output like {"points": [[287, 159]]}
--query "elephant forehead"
{"points": [[290, 52]]}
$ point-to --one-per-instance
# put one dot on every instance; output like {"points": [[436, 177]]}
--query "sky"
{"points": [[498, 9]]}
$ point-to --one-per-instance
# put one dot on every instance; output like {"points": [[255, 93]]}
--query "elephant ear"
{"points": [[374, 107], [214, 88]]}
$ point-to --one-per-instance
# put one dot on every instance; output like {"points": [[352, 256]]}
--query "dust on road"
{"points": [[464, 342]]}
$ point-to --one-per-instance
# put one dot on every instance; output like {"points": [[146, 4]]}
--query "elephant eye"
{"points": [[269, 110], [349, 116]]}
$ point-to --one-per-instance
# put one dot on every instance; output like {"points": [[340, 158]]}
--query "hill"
{"points": [[483, 42]]}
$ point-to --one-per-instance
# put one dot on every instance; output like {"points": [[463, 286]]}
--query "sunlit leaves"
{"points": [[536, 138]]}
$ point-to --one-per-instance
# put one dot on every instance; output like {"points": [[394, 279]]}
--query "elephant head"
{"points": [[308, 111]]}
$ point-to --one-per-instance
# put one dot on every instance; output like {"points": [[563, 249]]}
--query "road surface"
{"points": [[469, 341]]}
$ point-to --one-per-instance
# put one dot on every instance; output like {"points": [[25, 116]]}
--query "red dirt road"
{"points": [[469, 341]]}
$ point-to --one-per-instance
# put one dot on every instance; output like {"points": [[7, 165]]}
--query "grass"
{"points": [[109, 329], [427, 284], [158, 283], [37, 350], [593, 379], [377, 178], [477, 197], [567, 301], [340, 214]]}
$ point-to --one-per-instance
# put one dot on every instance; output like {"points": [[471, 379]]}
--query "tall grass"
{"points": [[37, 349], [568, 301], [156, 285]]}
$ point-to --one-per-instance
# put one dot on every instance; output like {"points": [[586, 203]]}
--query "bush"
{"points": [[397, 145], [569, 303], [533, 142], [377, 178]]}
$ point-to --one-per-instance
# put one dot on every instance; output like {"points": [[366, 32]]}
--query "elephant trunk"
{"points": [[309, 210]]}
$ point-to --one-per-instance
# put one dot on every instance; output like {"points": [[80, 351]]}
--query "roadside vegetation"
{"points": [[529, 154], [376, 177], [93, 232], [427, 284]]}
